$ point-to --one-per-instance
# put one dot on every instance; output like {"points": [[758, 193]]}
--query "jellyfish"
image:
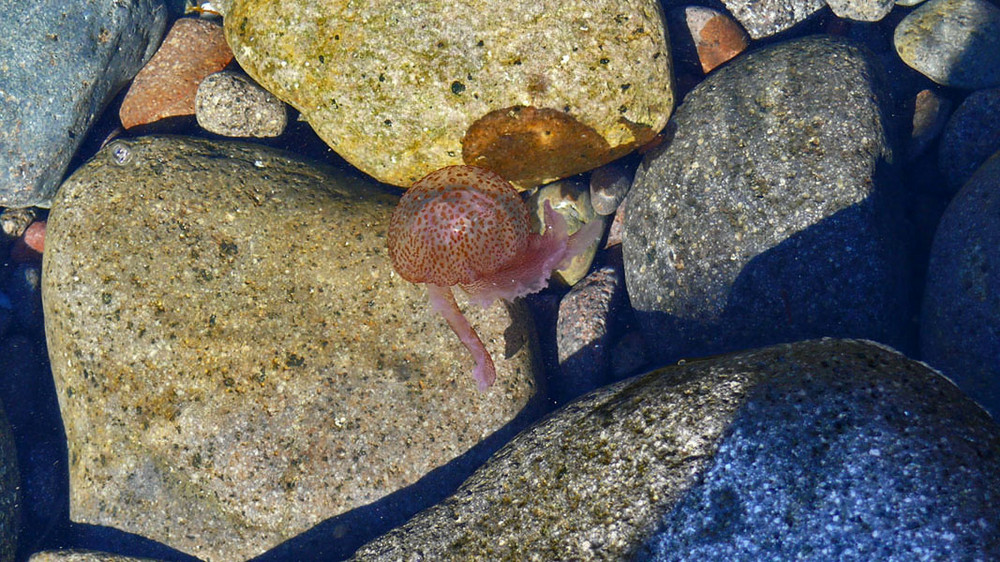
{"points": [[466, 226]]}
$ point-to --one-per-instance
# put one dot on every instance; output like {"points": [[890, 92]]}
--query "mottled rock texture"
{"points": [[849, 447], [60, 64], [953, 42], [83, 556], [535, 90], [763, 18], [234, 357], [167, 85], [771, 214]]}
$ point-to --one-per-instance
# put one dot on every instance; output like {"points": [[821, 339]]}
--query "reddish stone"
{"points": [[29, 247], [716, 37], [930, 114], [167, 85]]}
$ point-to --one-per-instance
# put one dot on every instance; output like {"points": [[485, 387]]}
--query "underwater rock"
{"points": [[536, 91], [235, 359]]}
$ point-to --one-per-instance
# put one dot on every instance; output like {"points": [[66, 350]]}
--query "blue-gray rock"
{"points": [[960, 326], [971, 136], [771, 215], [845, 451], [802, 450], [953, 42], [763, 18], [60, 64]]}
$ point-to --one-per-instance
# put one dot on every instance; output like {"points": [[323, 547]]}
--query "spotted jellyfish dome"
{"points": [[455, 225]]}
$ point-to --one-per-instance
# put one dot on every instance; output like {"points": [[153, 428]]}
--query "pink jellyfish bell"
{"points": [[467, 226]]}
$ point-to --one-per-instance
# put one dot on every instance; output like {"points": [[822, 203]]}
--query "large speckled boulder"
{"points": [[234, 357], [83, 556], [537, 90], [772, 215], [825, 450]]}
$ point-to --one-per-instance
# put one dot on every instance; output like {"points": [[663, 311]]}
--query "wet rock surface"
{"points": [[769, 216], [962, 298], [232, 105], [953, 42], [849, 447], [167, 85], [234, 358], [535, 91]]}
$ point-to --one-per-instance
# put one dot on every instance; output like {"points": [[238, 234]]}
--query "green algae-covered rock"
{"points": [[537, 90], [234, 357]]}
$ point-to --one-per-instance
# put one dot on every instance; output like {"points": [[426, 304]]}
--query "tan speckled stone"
{"points": [[537, 90], [235, 359]]}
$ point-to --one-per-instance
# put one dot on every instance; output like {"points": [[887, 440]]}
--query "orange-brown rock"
{"points": [[167, 85], [717, 38]]}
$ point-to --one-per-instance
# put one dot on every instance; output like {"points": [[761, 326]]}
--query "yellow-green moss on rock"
{"points": [[536, 90]]}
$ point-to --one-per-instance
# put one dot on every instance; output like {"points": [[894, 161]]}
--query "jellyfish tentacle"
{"points": [[443, 301]]}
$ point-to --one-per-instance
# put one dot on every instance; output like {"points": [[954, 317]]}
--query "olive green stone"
{"points": [[537, 90]]}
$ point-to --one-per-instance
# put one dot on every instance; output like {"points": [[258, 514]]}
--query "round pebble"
{"points": [[233, 105]]}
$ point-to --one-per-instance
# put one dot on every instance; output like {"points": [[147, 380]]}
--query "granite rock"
{"points": [[763, 18], [847, 444], [534, 90], [844, 451], [961, 314], [236, 360], [861, 10], [232, 105], [60, 64], [83, 556], [772, 213]]}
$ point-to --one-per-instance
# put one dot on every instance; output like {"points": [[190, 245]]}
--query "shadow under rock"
{"points": [[339, 537], [848, 275]]}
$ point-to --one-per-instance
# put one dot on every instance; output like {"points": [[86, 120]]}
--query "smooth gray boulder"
{"points": [[772, 214]]}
